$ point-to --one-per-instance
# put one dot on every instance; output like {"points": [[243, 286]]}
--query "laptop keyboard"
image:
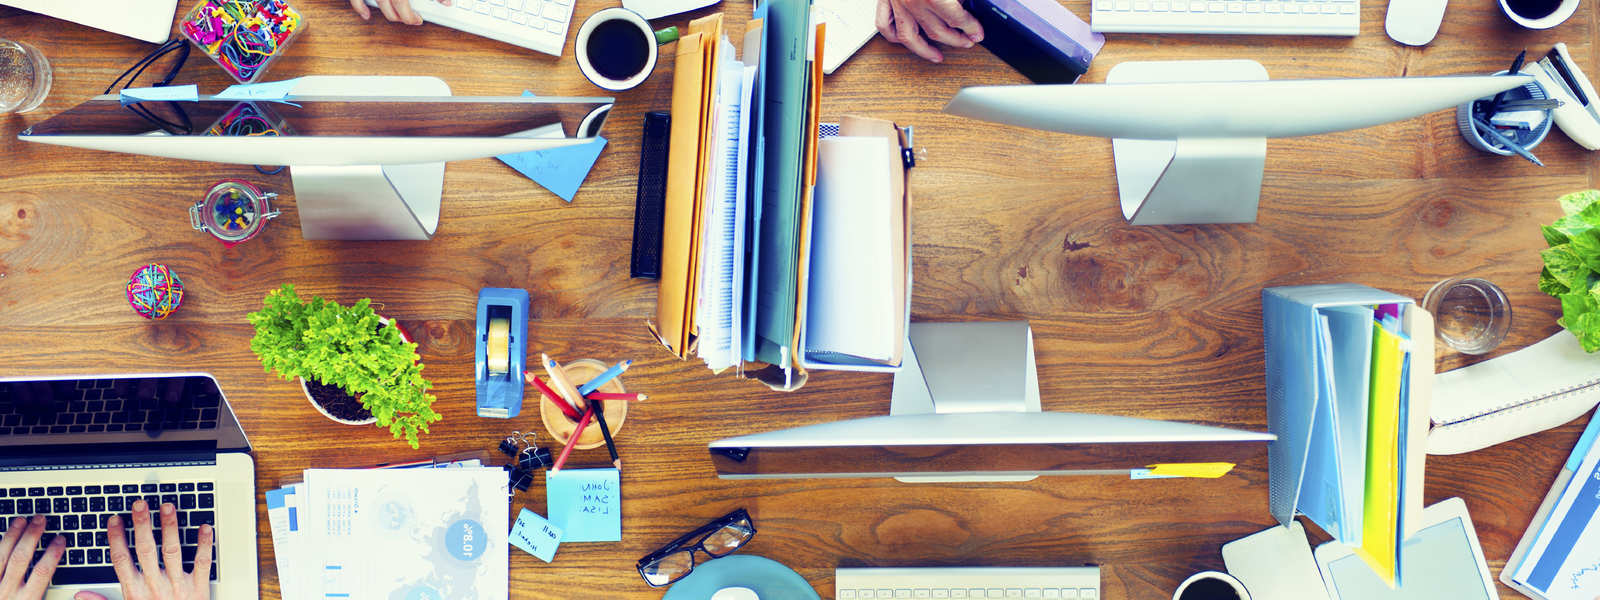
{"points": [[104, 406], [80, 513]]}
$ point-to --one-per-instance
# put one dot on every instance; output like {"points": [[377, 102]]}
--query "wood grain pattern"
{"points": [[1157, 322]]}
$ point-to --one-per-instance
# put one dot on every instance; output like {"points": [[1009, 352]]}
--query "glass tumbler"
{"points": [[24, 77], [1470, 315]]}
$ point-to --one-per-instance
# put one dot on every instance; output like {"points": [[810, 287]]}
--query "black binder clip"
{"points": [[908, 149], [530, 459]]}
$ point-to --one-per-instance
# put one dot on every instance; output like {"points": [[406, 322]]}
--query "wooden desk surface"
{"points": [[1155, 322]]}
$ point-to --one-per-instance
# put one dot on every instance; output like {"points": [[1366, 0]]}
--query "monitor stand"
{"points": [[1189, 181], [963, 368], [369, 202]]}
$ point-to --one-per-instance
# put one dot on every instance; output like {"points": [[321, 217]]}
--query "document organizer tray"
{"points": [[1306, 443]]}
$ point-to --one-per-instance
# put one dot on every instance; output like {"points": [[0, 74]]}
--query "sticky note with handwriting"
{"points": [[586, 504], [535, 535]]}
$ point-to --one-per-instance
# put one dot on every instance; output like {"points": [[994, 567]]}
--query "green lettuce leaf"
{"points": [[1578, 201], [1572, 265]]}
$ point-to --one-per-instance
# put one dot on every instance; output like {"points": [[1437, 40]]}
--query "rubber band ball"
{"points": [[154, 291]]}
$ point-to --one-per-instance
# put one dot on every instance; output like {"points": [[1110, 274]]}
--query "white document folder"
{"points": [[852, 313]]}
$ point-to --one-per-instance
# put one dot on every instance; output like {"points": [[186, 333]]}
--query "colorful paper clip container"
{"points": [[244, 37]]}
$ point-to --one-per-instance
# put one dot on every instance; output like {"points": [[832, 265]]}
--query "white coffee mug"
{"points": [[1211, 578], [1563, 11], [645, 42]]}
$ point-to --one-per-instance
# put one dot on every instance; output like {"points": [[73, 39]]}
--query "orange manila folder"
{"points": [[809, 167], [689, 141]]}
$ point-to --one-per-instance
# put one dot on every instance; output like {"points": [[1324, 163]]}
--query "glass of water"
{"points": [[24, 77], [1470, 315]]}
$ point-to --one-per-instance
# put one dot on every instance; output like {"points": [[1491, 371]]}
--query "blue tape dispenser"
{"points": [[502, 351]]}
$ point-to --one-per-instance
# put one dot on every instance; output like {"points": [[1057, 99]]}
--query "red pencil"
{"points": [[551, 395], [614, 396], [572, 440]]}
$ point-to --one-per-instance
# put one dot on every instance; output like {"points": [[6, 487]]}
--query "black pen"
{"points": [[598, 406], [1516, 65]]}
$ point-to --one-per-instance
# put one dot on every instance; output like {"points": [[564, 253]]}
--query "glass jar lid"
{"points": [[233, 211]]}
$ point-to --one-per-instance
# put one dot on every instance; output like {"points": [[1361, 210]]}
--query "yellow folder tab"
{"points": [[1381, 503], [1211, 470]]}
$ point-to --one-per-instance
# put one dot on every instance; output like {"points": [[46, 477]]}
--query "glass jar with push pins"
{"points": [[233, 211]]}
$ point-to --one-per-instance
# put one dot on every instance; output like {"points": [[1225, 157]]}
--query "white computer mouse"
{"points": [[1414, 22], [735, 593]]}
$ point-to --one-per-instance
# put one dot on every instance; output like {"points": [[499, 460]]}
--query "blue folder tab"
{"points": [[166, 93], [272, 91]]}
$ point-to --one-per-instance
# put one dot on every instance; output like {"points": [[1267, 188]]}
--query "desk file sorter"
{"points": [[1349, 375]]}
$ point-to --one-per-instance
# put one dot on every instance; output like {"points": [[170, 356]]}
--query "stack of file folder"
{"points": [[428, 530], [1349, 379], [764, 268]]}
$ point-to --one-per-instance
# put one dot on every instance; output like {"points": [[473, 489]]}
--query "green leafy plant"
{"points": [[1572, 266], [346, 346]]}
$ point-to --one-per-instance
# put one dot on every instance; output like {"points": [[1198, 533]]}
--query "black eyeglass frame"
{"points": [[699, 535]]}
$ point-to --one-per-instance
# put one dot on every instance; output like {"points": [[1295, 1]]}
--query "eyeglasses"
{"points": [[168, 115], [718, 538]]}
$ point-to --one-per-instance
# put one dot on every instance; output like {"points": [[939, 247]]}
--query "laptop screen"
{"points": [[115, 419]]}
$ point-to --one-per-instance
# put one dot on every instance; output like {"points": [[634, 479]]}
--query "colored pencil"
{"points": [[613, 396], [559, 381], [598, 406], [551, 395], [572, 441], [604, 377]]}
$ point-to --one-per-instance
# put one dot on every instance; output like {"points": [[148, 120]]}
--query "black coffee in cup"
{"points": [[1209, 589], [618, 49], [1533, 10]]}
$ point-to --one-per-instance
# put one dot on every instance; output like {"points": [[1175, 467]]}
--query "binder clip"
{"points": [[530, 459]]}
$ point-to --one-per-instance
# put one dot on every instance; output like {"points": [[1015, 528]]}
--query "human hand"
{"points": [[16, 550], [912, 23], [150, 581], [393, 10]]}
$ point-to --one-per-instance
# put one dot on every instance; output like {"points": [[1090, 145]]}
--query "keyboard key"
{"points": [[100, 538], [148, 488], [16, 492], [115, 504], [199, 517], [1088, 594], [74, 490], [80, 504], [95, 556], [204, 486], [54, 490], [60, 505], [24, 507], [206, 501], [1032, 593], [74, 557], [186, 487], [69, 522], [168, 499], [130, 489], [52, 523], [186, 502], [85, 539], [921, 594], [191, 536], [7, 507], [91, 489], [97, 504], [168, 487]]}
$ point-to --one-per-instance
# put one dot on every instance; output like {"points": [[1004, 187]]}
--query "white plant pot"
{"points": [[367, 421], [313, 401]]}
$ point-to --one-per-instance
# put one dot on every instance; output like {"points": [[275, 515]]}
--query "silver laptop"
{"points": [[148, 20], [80, 449]]}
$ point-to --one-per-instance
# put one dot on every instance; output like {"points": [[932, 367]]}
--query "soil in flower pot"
{"points": [[333, 399]]}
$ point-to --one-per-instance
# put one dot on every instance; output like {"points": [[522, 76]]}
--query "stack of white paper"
{"points": [[853, 312], [392, 533]]}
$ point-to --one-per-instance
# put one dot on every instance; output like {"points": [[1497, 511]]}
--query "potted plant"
{"points": [[1572, 266], [355, 366]]}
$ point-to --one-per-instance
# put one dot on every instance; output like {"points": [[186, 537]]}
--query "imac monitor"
{"points": [[366, 154], [965, 407], [1189, 138]]}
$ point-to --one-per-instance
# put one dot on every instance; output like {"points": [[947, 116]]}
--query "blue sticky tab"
{"points": [[586, 504], [272, 91], [169, 93], [560, 170], [536, 536]]}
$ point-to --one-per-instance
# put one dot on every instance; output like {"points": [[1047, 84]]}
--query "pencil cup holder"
{"points": [[560, 427], [1525, 138]]}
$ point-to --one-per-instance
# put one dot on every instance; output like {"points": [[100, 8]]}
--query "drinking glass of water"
{"points": [[24, 77], [1470, 315]]}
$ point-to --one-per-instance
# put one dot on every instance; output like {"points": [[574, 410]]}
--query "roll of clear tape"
{"points": [[498, 346]]}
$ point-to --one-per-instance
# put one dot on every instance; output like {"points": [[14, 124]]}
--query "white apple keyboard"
{"points": [[1260, 17], [539, 25], [968, 583]]}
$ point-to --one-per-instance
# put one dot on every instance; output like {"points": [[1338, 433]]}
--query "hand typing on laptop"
{"points": [[149, 581], [914, 23]]}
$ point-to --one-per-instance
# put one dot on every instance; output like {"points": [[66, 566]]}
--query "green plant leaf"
{"points": [[346, 346], [1565, 266], [1577, 202]]}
